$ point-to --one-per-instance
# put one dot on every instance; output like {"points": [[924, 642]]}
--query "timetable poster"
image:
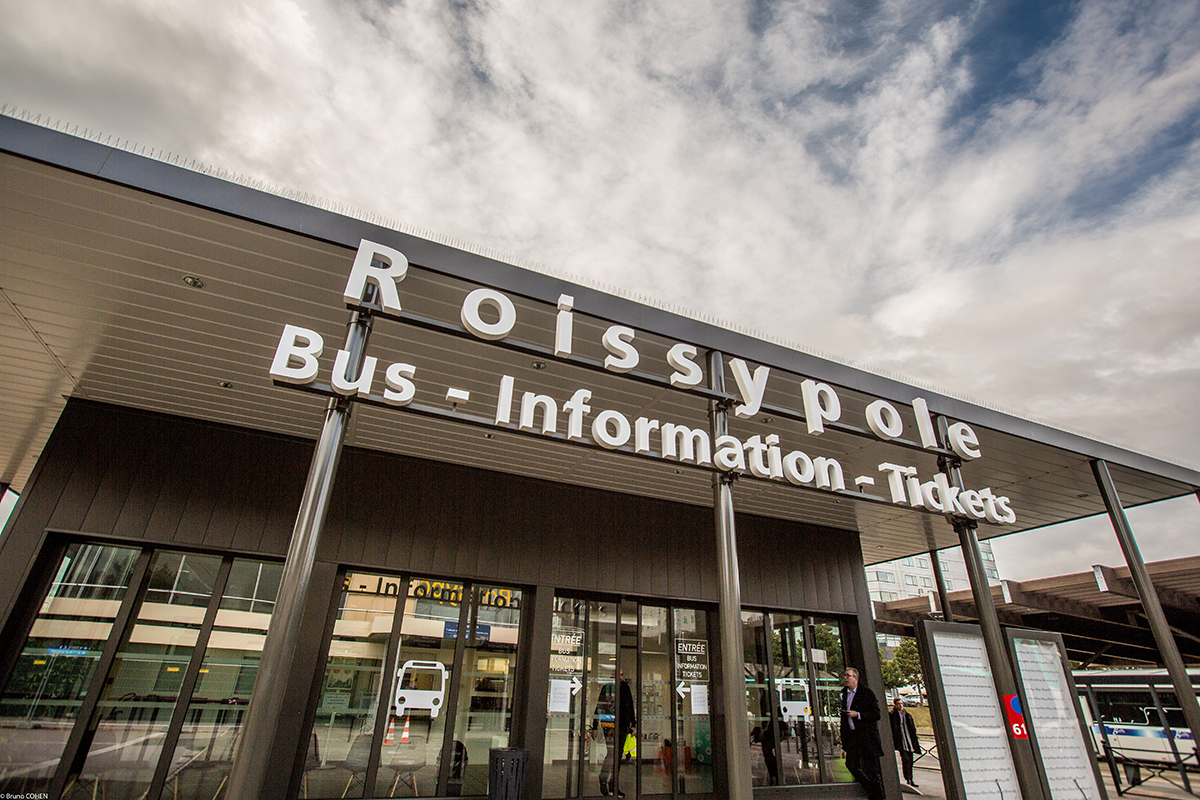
{"points": [[978, 732], [1054, 719]]}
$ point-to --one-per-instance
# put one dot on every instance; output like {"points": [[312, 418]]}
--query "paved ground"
{"points": [[929, 781]]}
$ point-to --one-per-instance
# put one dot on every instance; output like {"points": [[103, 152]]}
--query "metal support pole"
{"points": [[729, 606], [252, 771], [940, 580], [1149, 597], [1005, 680], [1180, 763], [1094, 708]]}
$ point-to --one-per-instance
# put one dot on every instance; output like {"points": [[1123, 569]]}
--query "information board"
{"points": [[1051, 712], [973, 732]]}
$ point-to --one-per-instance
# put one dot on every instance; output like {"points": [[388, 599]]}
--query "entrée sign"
{"points": [[296, 355]]}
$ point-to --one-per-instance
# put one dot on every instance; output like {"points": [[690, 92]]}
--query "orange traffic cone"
{"points": [[391, 733], [404, 735]]}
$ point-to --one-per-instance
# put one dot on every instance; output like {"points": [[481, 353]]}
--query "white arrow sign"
{"points": [[682, 689], [575, 685]]}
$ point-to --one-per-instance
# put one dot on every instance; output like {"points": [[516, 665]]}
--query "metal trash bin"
{"points": [[506, 773]]}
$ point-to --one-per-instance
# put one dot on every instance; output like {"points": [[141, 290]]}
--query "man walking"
{"points": [[860, 734], [904, 737]]}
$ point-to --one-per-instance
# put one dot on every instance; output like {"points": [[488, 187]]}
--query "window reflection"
{"points": [[792, 665], [484, 714], [658, 659], [135, 708], [204, 755], [42, 697], [692, 753], [340, 743], [418, 693]]}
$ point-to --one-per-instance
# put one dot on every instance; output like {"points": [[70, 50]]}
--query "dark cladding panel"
{"points": [[19, 544], [749, 567], [822, 598], [446, 522], [475, 510], [378, 507], [283, 482], [560, 537], [345, 527], [852, 573], [146, 486], [235, 498], [182, 482], [113, 492], [204, 490], [90, 465], [785, 551], [661, 565], [789, 565], [184, 470], [249, 528], [531, 530]]}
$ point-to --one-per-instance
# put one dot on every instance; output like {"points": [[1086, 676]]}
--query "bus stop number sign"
{"points": [[1016, 719]]}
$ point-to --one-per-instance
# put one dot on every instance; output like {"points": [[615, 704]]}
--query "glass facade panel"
{"points": [[792, 695], [692, 750], [764, 763], [202, 759], [134, 710], [628, 708], [622, 772], [419, 691], [47, 686], [655, 745], [483, 717], [600, 699], [344, 726], [829, 659], [566, 729], [793, 666]]}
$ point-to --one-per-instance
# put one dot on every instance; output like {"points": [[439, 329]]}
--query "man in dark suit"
{"points": [[904, 737], [860, 734]]}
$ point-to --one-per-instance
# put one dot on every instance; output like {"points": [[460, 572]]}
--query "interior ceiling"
{"points": [[95, 307]]}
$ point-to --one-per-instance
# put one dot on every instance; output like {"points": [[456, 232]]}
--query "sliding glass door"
{"points": [[627, 711]]}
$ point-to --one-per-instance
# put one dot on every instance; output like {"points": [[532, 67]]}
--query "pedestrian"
{"points": [[860, 734], [904, 738]]}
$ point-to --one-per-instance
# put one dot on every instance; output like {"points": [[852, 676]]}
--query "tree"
{"points": [[828, 639], [893, 676], [908, 664]]}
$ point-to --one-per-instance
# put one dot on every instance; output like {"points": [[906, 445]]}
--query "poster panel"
{"points": [[1068, 766], [973, 731]]}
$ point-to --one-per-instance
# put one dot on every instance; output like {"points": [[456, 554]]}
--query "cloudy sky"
{"points": [[1001, 199]]}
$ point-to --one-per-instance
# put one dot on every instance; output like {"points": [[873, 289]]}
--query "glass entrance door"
{"points": [[628, 711]]}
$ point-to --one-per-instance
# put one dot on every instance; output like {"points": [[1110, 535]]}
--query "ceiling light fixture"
{"points": [[193, 281], [539, 364]]}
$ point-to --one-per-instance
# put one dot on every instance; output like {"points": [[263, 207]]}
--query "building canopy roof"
{"points": [[97, 242]]}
